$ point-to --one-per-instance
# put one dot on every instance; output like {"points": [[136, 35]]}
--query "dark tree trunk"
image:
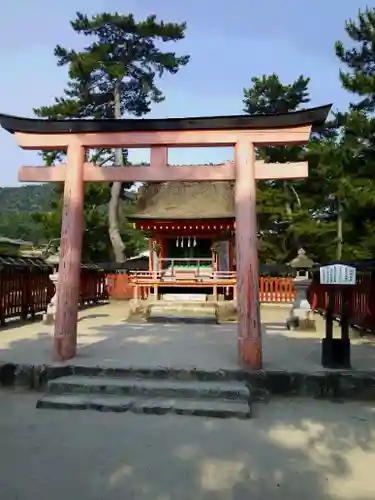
{"points": [[114, 203]]}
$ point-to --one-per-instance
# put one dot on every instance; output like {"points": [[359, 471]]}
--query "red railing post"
{"points": [[2, 298], [369, 304]]}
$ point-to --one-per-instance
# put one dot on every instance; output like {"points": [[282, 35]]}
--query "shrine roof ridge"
{"points": [[313, 116]]}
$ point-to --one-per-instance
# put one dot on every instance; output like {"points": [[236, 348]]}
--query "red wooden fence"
{"points": [[120, 287], [276, 289], [361, 302], [28, 290]]}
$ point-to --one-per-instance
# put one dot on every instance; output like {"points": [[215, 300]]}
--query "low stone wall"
{"points": [[336, 385]]}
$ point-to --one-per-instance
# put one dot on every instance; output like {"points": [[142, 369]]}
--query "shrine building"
{"points": [[190, 227]]}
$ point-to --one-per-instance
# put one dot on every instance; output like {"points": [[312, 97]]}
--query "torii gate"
{"points": [[243, 132]]}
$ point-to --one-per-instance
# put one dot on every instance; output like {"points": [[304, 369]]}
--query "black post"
{"points": [[345, 324], [336, 351], [329, 315], [327, 342]]}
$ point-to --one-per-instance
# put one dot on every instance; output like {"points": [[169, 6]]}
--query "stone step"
{"points": [[187, 297], [168, 388], [188, 309], [139, 405], [189, 313], [182, 319], [187, 374], [184, 306]]}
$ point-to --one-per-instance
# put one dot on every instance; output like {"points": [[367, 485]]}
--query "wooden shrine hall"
{"points": [[191, 237], [243, 132]]}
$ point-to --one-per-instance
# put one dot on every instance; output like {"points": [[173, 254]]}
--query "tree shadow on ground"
{"points": [[292, 449]]}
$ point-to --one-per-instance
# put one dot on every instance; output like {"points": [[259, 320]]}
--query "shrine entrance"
{"points": [[243, 132]]}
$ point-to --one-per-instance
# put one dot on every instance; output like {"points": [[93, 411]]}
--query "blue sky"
{"points": [[228, 45]]}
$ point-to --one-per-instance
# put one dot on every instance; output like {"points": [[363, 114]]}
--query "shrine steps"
{"points": [[153, 396], [181, 311], [185, 297]]}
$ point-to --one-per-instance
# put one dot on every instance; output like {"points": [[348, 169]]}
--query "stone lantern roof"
{"points": [[302, 261]]}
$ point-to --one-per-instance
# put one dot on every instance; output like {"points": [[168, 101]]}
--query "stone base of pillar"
{"points": [[250, 353]]}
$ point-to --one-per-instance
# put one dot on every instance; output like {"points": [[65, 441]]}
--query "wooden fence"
{"points": [[26, 290], [276, 289], [271, 290], [361, 301]]}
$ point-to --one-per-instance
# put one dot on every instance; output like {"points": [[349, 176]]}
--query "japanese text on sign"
{"points": [[337, 274]]}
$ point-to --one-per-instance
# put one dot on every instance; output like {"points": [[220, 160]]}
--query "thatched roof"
{"points": [[186, 200]]}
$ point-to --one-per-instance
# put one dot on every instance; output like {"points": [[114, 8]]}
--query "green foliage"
{"points": [[96, 243], [114, 75], [25, 198], [332, 212], [356, 141], [17, 205], [359, 59], [337, 197], [122, 52], [283, 215]]}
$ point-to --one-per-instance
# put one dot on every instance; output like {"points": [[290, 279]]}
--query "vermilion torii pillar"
{"points": [[242, 132]]}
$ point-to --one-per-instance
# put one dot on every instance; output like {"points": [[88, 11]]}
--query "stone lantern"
{"points": [[301, 315], [49, 316]]}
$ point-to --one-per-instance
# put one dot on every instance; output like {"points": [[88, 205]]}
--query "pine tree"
{"points": [[115, 75], [359, 59], [283, 214], [357, 138]]}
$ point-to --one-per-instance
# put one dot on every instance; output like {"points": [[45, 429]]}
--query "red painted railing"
{"points": [[27, 291], [361, 301], [121, 287], [276, 289]]}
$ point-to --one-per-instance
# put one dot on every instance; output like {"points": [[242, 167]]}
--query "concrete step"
{"points": [[187, 297], [155, 406], [190, 310], [168, 388], [182, 312], [218, 398], [194, 305]]}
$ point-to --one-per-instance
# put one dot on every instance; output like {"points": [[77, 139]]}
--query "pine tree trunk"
{"points": [[339, 231], [289, 213], [114, 203]]}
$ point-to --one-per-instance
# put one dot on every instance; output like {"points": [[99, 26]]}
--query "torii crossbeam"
{"points": [[242, 132]]}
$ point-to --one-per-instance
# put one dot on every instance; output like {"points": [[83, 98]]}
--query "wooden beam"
{"points": [[274, 171], [133, 173], [174, 138], [159, 157], [223, 172], [47, 142], [42, 174], [154, 173]]}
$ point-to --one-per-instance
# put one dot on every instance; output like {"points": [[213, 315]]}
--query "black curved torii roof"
{"points": [[313, 116]]}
